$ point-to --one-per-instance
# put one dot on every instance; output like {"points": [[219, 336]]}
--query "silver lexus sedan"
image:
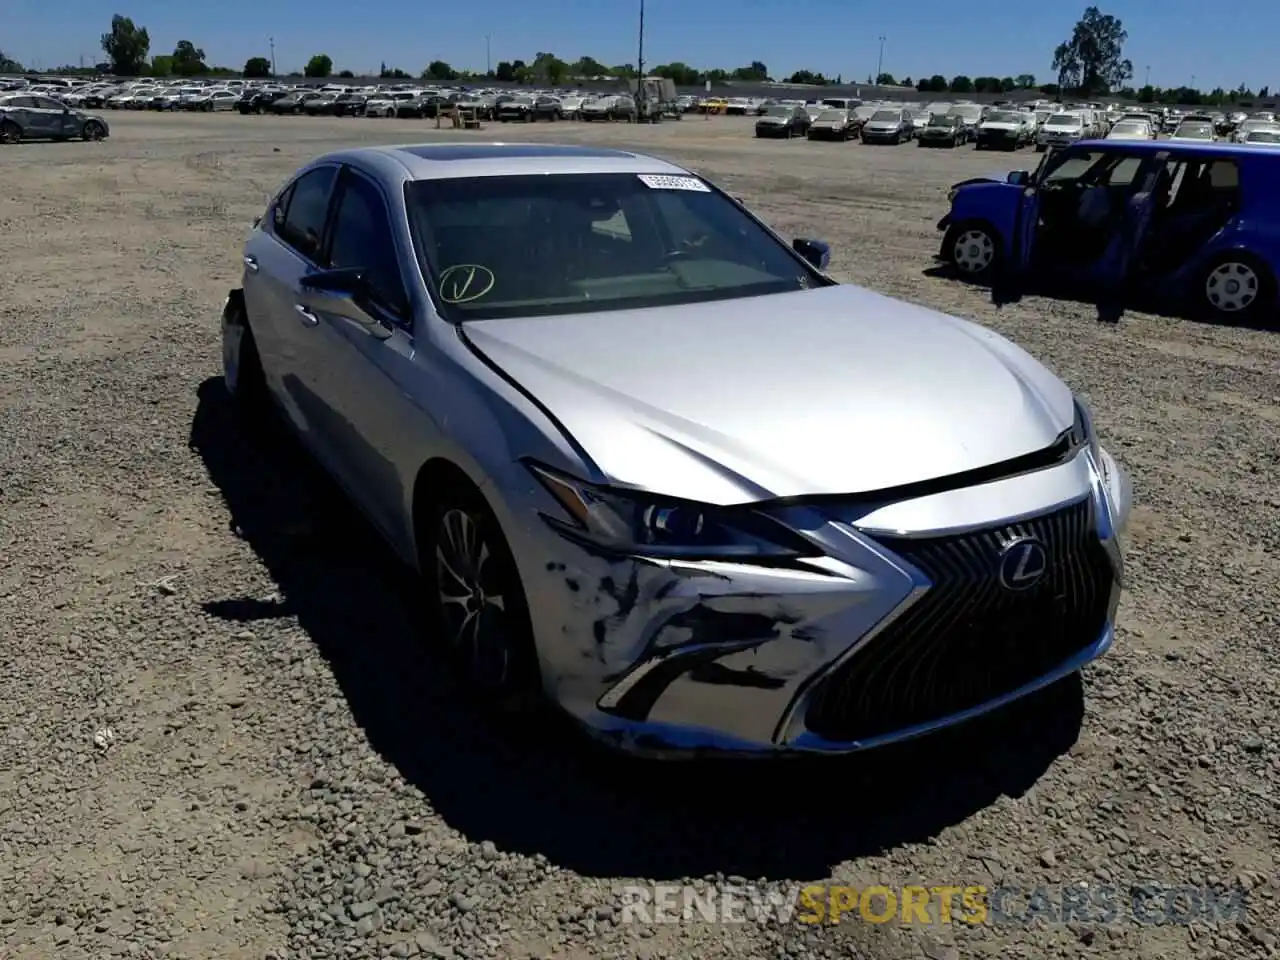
{"points": [[656, 467]]}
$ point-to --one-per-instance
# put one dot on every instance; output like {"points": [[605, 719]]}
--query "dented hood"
{"points": [[825, 391]]}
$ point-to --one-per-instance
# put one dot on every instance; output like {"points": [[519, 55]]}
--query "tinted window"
{"points": [[362, 238], [303, 227], [46, 103], [538, 246]]}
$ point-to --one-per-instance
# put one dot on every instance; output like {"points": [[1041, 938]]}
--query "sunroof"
{"points": [[492, 151]]}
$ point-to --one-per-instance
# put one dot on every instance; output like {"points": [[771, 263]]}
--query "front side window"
{"points": [[539, 246], [303, 224], [362, 239]]}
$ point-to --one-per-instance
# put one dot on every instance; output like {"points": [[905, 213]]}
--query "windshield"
{"points": [[833, 116], [1130, 126], [969, 110], [886, 116], [778, 112], [864, 113], [1263, 136], [1199, 130], [1063, 120], [944, 120], [525, 246], [1002, 116]]}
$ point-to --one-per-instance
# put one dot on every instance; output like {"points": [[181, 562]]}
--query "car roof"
{"points": [[437, 161], [1182, 146]]}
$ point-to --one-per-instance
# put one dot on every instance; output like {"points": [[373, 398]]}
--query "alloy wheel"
{"points": [[473, 599], [1231, 287]]}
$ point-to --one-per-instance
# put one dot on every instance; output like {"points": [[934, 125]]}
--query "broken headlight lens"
{"points": [[1082, 432], [633, 522]]}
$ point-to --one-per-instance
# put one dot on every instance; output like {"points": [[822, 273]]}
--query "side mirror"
{"points": [[343, 293], [816, 252], [1019, 178]]}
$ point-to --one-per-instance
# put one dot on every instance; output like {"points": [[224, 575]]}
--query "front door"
{"points": [[1149, 186], [360, 383]]}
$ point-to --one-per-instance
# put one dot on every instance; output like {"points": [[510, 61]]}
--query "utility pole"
{"points": [[640, 91], [880, 61], [488, 56], [1146, 81], [271, 41]]}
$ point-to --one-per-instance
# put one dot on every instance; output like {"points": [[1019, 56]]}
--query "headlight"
{"points": [[1082, 432], [628, 522]]}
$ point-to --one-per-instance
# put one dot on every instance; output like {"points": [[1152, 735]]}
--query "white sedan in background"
{"points": [[1131, 130]]}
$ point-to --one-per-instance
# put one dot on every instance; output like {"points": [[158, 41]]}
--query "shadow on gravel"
{"points": [[542, 789], [1002, 294]]}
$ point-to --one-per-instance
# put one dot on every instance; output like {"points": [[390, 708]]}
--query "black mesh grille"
{"points": [[969, 638]]}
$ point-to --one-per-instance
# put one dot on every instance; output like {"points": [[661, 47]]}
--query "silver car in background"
{"points": [[656, 467]]}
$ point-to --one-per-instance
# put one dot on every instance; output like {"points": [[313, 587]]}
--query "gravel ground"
{"points": [[222, 740]]}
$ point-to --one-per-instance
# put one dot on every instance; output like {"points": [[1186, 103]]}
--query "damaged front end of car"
{"points": [[794, 628]]}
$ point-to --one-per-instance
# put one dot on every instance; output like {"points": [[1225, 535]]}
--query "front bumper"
{"points": [[679, 658]]}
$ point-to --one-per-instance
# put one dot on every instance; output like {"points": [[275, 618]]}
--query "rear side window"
{"points": [[303, 226]]}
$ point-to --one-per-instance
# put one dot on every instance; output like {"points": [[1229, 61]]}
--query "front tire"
{"points": [[973, 249], [10, 132], [479, 602]]}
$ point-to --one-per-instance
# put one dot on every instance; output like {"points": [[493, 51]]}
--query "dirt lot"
{"points": [[222, 739]]}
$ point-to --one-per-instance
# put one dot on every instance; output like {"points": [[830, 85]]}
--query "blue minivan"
{"points": [[1197, 223]]}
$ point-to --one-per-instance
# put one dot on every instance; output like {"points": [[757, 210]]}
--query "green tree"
{"points": [[188, 59], [346, 74], [588, 67], [126, 46], [162, 65], [439, 71], [505, 71], [321, 65], [961, 84], [1026, 81], [392, 73], [885, 80], [1092, 61], [1008, 84], [681, 74], [9, 65], [257, 67], [807, 76], [756, 72], [549, 68]]}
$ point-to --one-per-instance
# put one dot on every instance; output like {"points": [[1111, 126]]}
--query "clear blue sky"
{"points": [[1178, 39]]}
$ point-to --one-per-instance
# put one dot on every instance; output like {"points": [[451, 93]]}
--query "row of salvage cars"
{"points": [[401, 101]]}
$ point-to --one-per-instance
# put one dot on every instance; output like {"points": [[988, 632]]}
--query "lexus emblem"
{"points": [[1023, 563]]}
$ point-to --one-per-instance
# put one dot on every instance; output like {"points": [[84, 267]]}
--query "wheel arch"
{"points": [[437, 478]]}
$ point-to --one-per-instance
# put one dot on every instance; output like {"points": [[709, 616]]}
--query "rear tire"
{"points": [[1237, 287], [10, 132], [242, 371]]}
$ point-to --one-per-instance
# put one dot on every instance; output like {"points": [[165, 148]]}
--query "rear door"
{"points": [[288, 245]]}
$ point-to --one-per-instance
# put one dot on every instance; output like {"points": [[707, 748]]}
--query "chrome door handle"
{"points": [[308, 318], [251, 264]]}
